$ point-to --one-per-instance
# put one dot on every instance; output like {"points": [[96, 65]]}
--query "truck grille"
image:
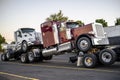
{"points": [[99, 31]]}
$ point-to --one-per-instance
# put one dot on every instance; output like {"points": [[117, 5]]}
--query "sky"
{"points": [[15, 14]]}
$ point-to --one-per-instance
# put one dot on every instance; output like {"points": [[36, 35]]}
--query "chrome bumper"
{"points": [[100, 41]]}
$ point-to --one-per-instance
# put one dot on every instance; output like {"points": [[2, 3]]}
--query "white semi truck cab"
{"points": [[26, 37]]}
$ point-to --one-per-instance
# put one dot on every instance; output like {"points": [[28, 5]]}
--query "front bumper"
{"points": [[100, 41], [33, 43]]}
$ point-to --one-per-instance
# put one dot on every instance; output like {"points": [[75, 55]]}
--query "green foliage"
{"points": [[80, 22], [117, 22], [57, 17], [102, 21], [2, 40]]}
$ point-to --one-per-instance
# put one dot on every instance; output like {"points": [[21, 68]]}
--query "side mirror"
{"points": [[17, 33]]}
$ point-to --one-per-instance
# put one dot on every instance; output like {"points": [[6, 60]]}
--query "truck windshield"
{"points": [[72, 24], [27, 30]]}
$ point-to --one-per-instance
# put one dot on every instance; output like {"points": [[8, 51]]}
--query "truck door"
{"points": [[18, 38], [65, 33], [48, 34]]}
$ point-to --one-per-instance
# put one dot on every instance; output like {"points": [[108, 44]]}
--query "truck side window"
{"points": [[19, 34], [62, 27]]}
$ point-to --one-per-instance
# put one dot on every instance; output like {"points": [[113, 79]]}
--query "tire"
{"points": [[107, 57], [17, 56], [89, 60], [84, 44], [8, 55], [48, 57], [31, 57], [24, 46], [3, 57], [24, 58]]}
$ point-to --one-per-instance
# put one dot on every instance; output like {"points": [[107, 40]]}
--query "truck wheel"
{"points": [[84, 44], [89, 60], [24, 58], [31, 57], [8, 55], [3, 57], [48, 57], [107, 56], [24, 46]]}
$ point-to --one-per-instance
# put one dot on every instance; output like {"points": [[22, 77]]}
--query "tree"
{"points": [[80, 22], [57, 17], [2, 40], [102, 21], [117, 22]]}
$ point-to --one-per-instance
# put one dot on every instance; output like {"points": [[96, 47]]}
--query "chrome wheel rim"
{"points": [[88, 61], [8, 55], [31, 56], [3, 57], [106, 57], [24, 47], [22, 58], [84, 44]]}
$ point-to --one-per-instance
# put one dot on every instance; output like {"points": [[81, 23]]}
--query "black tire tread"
{"points": [[89, 46], [113, 54], [94, 58]]}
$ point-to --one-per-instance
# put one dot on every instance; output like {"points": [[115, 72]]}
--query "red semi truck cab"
{"points": [[60, 32]]}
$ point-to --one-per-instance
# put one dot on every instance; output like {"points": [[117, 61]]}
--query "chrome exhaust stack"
{"points": [[49, 52], [57, 50]]}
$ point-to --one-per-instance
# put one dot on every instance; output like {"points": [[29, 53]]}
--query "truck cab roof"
{"points": [[26, 30]]}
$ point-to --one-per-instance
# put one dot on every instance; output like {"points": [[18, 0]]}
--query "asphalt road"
{"points": [[58, 68]]}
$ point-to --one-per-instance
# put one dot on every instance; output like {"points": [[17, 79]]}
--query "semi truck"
{"points": [[57, 38], [25, 38]]}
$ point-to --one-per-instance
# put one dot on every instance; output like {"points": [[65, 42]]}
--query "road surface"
{"points": [[59, 68]]}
